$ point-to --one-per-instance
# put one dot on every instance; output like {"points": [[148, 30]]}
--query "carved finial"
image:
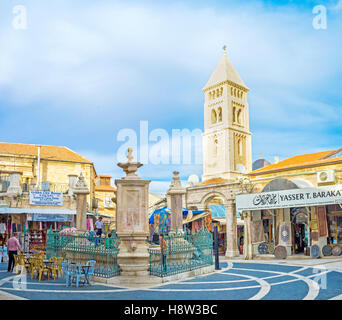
{"points": [[224, 49], [260, 155], [130, 155]]}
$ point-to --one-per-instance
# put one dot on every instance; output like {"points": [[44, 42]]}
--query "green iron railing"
{"points": [[83, 247], [184, 253]]}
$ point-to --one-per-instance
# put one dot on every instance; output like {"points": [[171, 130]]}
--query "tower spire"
{"points": [[224, 50]]}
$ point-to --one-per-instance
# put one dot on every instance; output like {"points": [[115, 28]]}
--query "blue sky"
{"points": [[84, 70]]}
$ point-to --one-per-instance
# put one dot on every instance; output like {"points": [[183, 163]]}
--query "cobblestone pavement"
{"points": [[237, 280]]}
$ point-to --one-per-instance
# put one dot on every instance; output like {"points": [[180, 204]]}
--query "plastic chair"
{"points": [[42, 269], [91, 269], [56, 267], [75, 273], [64, 267]]}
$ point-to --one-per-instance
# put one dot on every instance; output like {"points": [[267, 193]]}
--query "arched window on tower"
{"points": [[234, 112], [219, 114], [213, 116], [239, 116]]}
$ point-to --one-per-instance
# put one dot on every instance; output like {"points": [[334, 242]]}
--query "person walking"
{"points": [[12, 248], [164, 252], [99, 226]]}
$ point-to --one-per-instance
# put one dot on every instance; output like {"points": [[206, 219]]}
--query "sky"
{"points": [[84, 74]]}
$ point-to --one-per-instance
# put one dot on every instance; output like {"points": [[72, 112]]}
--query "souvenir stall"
{"points": [[196, 220], [160, 223]]}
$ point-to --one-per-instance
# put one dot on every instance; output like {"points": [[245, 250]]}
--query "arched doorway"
{"points": [[215, 205], [300, 230]]}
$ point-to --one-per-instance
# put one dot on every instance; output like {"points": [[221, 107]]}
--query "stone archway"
{"points": [[210, 196]]}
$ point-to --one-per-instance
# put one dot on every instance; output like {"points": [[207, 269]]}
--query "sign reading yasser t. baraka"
{"points": [[290, 198]]}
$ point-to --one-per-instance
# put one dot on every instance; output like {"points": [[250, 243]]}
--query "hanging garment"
{"points": [[14, 229], [168, 225], [196, 226], [88, 224], [91, 224], [208, 222], [2, 227], [257, 232], [163, 222], [40, 226], [156, 223]]}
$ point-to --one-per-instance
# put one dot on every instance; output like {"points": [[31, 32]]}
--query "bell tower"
{"points": [[227, 150]]}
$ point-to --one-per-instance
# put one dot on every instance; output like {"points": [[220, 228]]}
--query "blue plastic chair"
{"points": [[77, 273], [65, 266], [91, 269]]}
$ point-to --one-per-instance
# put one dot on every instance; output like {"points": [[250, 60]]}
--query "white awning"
{"points": [[52, 211]]}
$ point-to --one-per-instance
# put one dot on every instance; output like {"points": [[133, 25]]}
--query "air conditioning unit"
{"points": [[326, 176]]}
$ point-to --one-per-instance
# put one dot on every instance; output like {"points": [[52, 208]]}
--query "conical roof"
{"points": [[224, 71]]}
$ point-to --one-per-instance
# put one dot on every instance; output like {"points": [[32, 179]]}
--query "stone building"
{"points": [[295, 203], [36, 188], [105, 195]]}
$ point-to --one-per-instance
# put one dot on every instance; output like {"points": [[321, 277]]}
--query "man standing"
{"points": [[12, 248], [99, 226]]}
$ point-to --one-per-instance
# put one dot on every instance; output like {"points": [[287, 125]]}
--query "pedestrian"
{"points": [[164, 252], [93, 237], [99, 226], [12, 248], [109, 241]]}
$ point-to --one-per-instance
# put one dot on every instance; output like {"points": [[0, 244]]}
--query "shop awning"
{"points": [[223, 221], [195, 217], [52, 211]]}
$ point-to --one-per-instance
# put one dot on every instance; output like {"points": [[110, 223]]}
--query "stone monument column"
{"points": [[132, 220], [176, 192], [247, 247], [81, 191], [232, 249]]}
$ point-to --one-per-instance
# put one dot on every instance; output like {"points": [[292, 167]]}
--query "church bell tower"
{"points": [[227, 150]]}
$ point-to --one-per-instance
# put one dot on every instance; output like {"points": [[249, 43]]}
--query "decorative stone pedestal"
{"points": [[176, 193], [132, 221], [81, 191]]}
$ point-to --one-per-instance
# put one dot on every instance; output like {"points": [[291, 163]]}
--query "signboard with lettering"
{"points": [[47, 198], [289, 198]]}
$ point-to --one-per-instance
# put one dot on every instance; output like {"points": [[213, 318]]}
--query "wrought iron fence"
{"points": [[183, 253], [83, 247]]}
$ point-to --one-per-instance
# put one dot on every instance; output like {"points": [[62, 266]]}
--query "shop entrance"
{"points": [[300, 234]]}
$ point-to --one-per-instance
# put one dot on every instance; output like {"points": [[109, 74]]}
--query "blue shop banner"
{"points": [[50, 217], [47, 198]]}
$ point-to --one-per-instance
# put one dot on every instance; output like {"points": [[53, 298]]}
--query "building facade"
{"points": [[36, 188], [296, 204]]}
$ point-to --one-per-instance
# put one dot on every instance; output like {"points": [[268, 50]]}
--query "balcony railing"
{"points": [[54, 187]]}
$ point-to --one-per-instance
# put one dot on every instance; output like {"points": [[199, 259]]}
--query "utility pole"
{"points": [[216, 249]]}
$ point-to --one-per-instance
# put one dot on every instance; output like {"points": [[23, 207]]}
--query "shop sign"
{"points": [[47, 198], [289, 198], [50, 217]]}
